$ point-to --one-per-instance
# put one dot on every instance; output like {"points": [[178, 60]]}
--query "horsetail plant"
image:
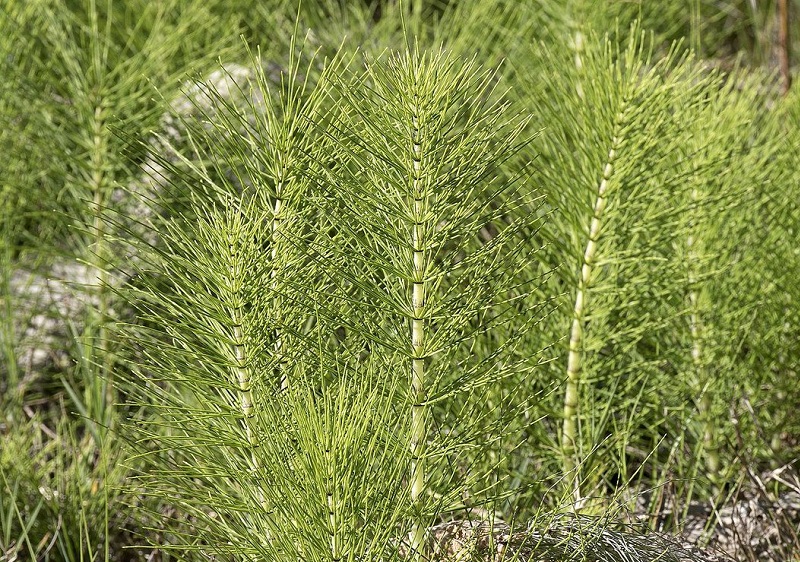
{"points": [[616, 200], [85, 66], [218, 205], [721, 249], [279, 144], [407, 252], [709, 208], [435, 235], [99, 80], [336, 278]]}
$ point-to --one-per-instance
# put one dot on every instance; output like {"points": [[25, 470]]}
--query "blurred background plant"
{"points": [[661, 300]]}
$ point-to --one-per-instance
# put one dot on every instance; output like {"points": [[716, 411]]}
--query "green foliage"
{"points": [[434, 229], [57, 487], [382, 266], [291, 291], [655, 241], [607, 166]]}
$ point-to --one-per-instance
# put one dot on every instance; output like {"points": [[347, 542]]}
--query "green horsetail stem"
{"points": [[578, 46], [711, 453], [241, 366], [99, 186], [571, 398], [333, 519], [418, 429], [276, 232], [569, 434]]}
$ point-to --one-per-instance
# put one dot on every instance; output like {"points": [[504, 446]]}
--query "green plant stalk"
{"points": [[98, 258], [284, 150], [333, 520], [243, 375], [7, 331], [569, 434], [99, 179], [277, 219], [574, 361], [696, 331], [418, 409], [578, 47]]}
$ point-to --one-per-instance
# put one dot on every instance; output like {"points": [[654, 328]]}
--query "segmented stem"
{"points": [[238, 345], [711, 453], [332, 511], [277, 219], [99, 256], [569, 433], [418, 410], [577, 44]]}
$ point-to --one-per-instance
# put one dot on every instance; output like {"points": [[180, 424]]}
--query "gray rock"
{"points": [[44, 304]]}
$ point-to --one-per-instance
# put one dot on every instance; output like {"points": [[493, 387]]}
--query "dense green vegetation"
{"points": [[285, 282]]}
